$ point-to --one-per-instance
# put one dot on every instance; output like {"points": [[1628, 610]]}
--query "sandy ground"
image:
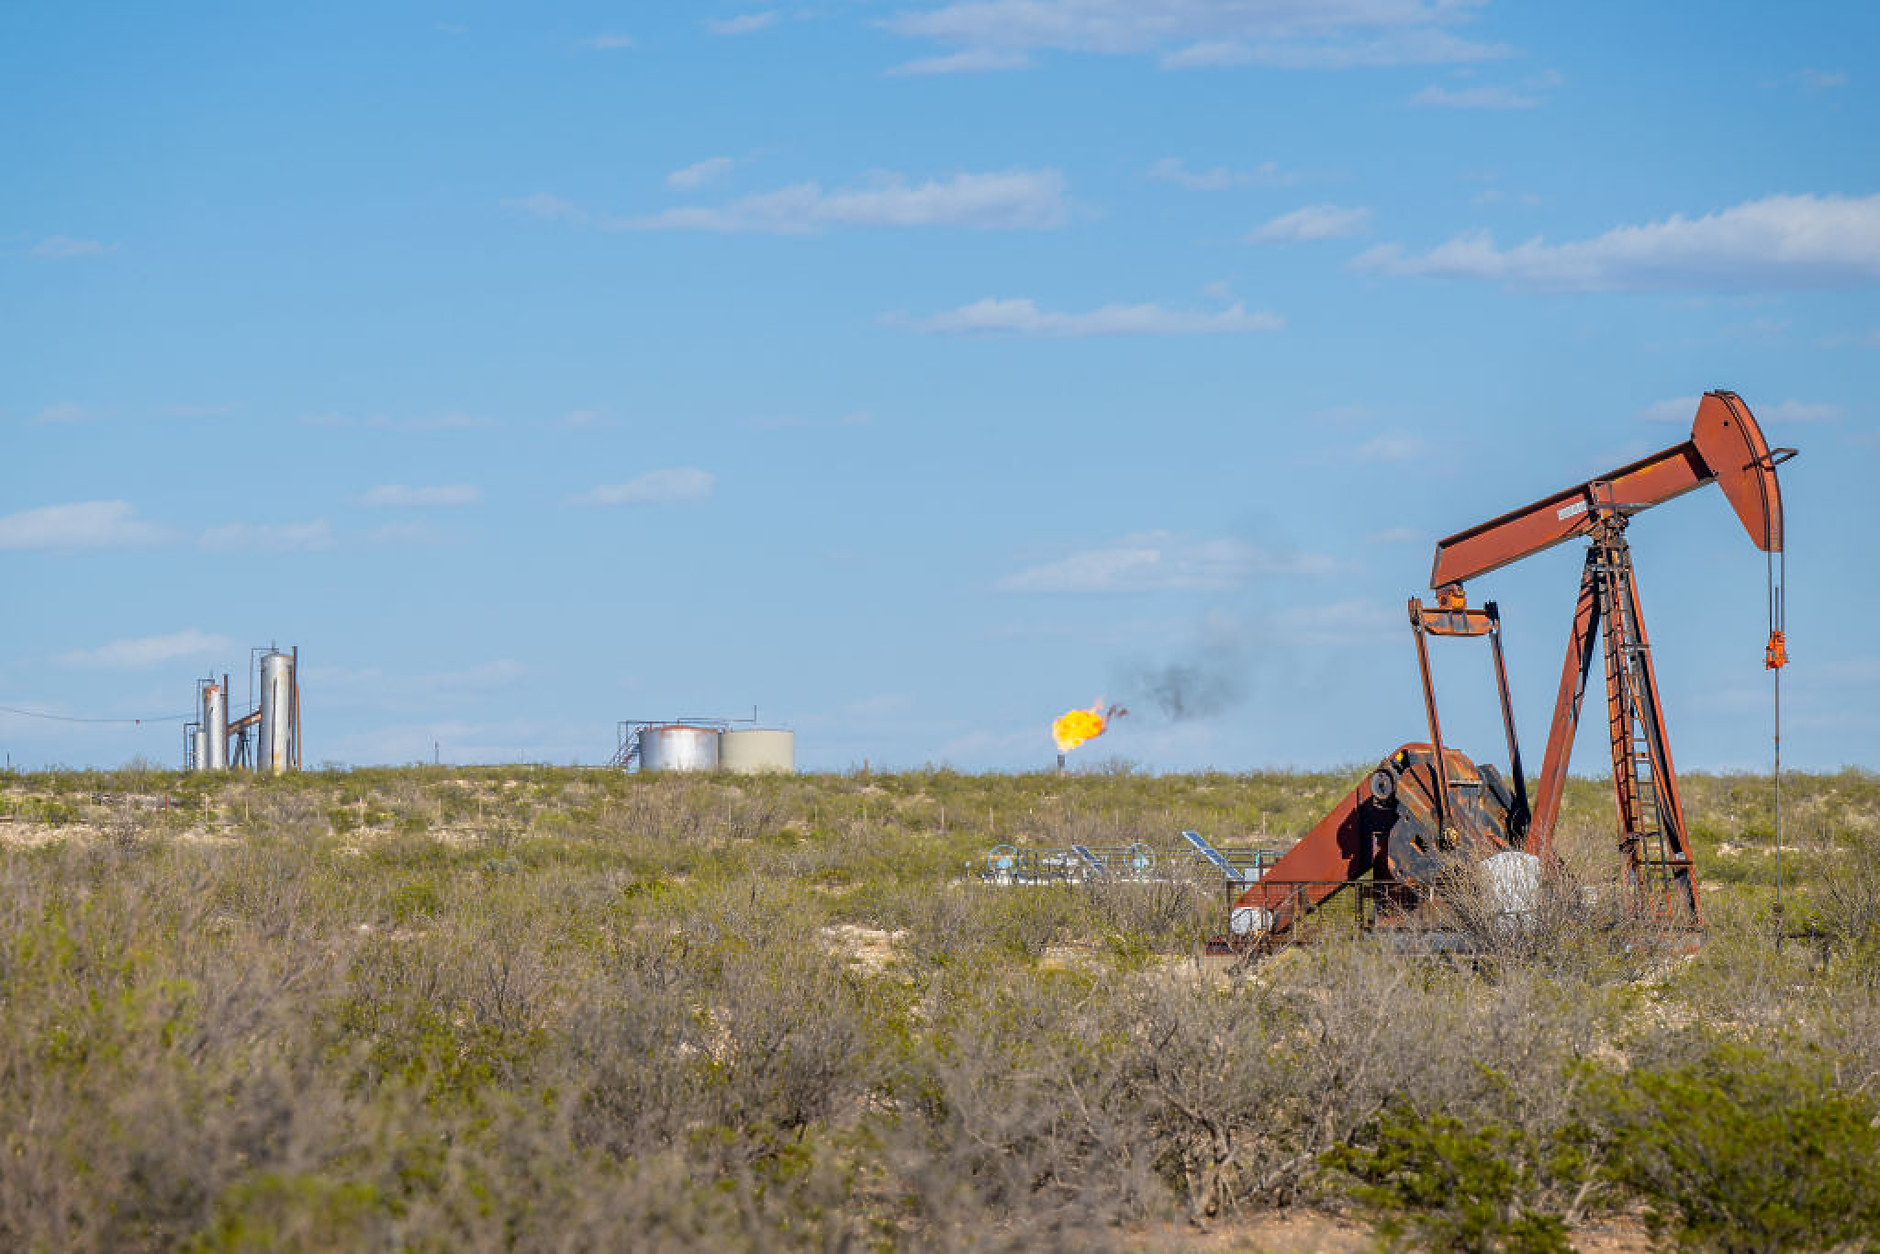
{"points": [[1303, 1231]]}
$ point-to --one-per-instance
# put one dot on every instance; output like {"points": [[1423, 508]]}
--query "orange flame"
{"points": [[1078, 726]]}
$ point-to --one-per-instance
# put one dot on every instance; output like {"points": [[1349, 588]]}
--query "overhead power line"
{"points": [[67, 718]]}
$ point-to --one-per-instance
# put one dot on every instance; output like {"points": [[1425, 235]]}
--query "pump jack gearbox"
{"points": [[1428, 808]]}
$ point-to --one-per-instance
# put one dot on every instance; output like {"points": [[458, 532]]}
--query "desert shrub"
{"points": [[300, 1211], [1016, 1106], [1437, 1183], [1739, 1149], [949, 921], [788, 1048], [1207, 1066], [1245, 1087], [1139, 921], [1848, 906], [608, 1011]]}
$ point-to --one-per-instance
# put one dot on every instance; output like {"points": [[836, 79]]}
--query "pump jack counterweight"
{"points": [[1427, 808]]}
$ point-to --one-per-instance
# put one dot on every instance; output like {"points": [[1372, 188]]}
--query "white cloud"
{"points": [[550, 208], [1189, 33], [1396, 535], [1023, 317], [82, 525], [1523, 95], [1487, 97], [512, 740], [450, 421], [1013, 200], [743, 24], [400, 686], [1389, 448], [655, 487], [405, 532], [1431, 47], [790, 422], [1776, 242], [1854, 670], [398, 495], [1313, 222], [1760, 330], [65, 248], [1161, 561], [1676, 409], [65, 411], [1342, 622], [498, 673], [70, 412], [699, 173], [1682, 409], [198, 411], [967, 61], [1823, 80], [149, 650], [1787, 412], [581, 420], [610, 43], [1220, 177], [275, 537]]}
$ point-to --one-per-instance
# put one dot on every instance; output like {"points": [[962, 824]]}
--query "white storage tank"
{"points": [[757, 750], [678, 747]]}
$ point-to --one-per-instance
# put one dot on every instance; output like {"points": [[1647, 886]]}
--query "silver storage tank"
{"points": [[277, 695], [199, 752], [678, 747], [214, 753], [756, 750]]}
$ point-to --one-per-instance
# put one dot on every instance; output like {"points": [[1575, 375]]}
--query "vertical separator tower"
{"points": [[278, 749], [214, 754]]}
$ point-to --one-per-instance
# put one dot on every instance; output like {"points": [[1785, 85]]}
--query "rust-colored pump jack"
{"points": [[1427, 807]]}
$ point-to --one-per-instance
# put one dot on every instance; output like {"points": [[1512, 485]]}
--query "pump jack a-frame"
{"points": [[1427, 807]]}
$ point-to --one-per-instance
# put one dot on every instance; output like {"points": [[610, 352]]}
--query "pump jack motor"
{"points": [[1428, 808]]}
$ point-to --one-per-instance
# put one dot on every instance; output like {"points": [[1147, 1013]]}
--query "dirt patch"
{"points": [[1296, 1231], [869, 948], [1305, 1231], [33, 835]]}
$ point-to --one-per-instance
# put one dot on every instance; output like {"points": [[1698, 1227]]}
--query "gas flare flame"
{"points": [[1076, 727]]}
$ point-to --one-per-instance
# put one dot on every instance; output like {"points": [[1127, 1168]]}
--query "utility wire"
{"points": [[66, 718]]}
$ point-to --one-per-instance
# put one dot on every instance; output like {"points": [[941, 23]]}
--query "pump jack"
{"points": [[1427, 807]]}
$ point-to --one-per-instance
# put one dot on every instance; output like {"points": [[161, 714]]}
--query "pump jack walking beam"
{"points": [[1726, 447]]}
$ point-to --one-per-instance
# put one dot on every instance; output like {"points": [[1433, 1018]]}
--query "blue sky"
{"points": [[917, 371]]}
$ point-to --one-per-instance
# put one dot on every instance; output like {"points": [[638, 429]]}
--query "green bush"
{"points": [[1743, 1150], [1440, 1184]]}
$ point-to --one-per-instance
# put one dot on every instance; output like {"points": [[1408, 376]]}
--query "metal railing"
{"points": [[1134, 863], [1301, 912]]}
